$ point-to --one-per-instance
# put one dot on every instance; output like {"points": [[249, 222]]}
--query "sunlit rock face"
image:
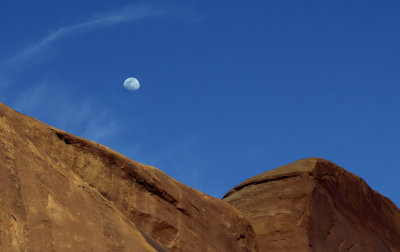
{"points": [[59, 192], [315, 205]]}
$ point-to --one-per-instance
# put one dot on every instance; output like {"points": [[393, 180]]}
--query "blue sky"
{"points": [[229, 89]]}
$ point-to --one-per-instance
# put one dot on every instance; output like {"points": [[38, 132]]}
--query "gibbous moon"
{"points": [[132, 84]]}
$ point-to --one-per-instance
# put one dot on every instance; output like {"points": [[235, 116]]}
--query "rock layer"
{"points": [[315, 205], [59, 192]]}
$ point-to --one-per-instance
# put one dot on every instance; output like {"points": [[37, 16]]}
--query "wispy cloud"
{"points": [[126, 14], [4, 83], [83, 118], [78, 117]]}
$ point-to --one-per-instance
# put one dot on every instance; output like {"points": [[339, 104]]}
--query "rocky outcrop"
{"points": [[315, 205], [59, 192]]}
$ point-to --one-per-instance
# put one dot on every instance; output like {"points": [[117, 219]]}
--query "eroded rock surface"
{"points": [[59, 192], [315, 205]]}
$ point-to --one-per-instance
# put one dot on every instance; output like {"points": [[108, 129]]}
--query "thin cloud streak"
{"points": [[4, 84], [81, 118], [127, 14]]}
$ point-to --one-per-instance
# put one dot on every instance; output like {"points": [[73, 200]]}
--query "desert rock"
{"points": [[315, 205], [59, 192]]}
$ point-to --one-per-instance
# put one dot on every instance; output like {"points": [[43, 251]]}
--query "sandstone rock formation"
{"points": [[314, 205], [59, 192]]}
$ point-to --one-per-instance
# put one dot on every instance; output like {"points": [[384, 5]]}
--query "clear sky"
{"points": [[229, 89]]}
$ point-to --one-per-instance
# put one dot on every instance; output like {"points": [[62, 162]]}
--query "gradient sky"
{"points": [[229, 89]]}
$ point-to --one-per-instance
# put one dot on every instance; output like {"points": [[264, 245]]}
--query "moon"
{"points": [[131, 84]]}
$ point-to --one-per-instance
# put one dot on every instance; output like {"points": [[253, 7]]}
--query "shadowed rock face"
{"points": [[59, 192], [315, 205]]}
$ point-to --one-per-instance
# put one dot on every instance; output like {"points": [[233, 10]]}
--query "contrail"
{"points": [[126, 14]]}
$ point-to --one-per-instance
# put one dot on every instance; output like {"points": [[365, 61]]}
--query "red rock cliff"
{"points": [[315, 205], [59, 192]]}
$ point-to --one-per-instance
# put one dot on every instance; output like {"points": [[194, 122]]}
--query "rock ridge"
{"points": [[317, 206], [62, 192]]}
